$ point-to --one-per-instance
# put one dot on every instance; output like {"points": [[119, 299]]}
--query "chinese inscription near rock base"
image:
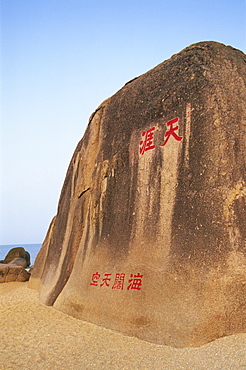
{"points": [[119, 281]]}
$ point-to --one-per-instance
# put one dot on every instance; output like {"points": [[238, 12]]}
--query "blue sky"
{"points": [[59, 60]]}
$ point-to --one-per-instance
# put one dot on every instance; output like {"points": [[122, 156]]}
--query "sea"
{"points": [[33, 249]]}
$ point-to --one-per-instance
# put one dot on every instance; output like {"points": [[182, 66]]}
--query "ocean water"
{"points": [[33, 249]]}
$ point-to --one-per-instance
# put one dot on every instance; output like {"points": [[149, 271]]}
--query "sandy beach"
{"points": [[38, 337]]}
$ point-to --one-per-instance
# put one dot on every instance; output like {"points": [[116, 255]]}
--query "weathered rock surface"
{"points": [[11, 273], [19, 262], [18, 252], [149, 237]]}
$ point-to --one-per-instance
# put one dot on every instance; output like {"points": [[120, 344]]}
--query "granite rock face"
{"points": [[149, 237]]}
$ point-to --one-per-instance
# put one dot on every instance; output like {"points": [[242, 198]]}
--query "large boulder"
{"points": [[149, 237]]}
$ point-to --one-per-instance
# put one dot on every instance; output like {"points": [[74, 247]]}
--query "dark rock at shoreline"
{"points": [[18, 262], [149, 237], [18, 252], [10, 273]]}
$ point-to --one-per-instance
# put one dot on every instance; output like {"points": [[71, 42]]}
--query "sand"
{"points": [[34, 336]]}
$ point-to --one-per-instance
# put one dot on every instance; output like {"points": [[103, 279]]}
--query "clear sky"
{"points": [[59, 60]]}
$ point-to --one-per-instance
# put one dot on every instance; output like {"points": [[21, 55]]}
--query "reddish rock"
{"points": [[10, 273], [149, 237]]}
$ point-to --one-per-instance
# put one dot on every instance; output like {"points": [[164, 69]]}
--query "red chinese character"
{"points": [[95, 277], [172, 131], [147, 143], [105, 280], [135, 282], [119, 281]]}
